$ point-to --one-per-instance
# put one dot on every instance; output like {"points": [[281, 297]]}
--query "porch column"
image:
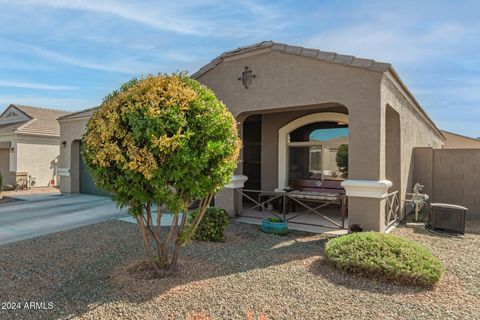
{"points": [[366, 202], [228, 199]]}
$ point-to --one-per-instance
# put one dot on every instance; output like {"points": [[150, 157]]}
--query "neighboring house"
{"points": [[74, 177], [29, 144], [296, 107], [457, 141]]}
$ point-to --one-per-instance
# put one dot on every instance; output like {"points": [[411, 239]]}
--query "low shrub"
{"points": [[213, 225], [384, 256]]}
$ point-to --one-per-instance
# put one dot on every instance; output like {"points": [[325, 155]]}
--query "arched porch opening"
{"points": [[302, 145], [393, 166], [393, 148], [313, 147]]}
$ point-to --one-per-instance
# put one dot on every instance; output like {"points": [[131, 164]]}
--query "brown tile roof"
{"points": [[42, 121], [325, 56], [332, 57], [11, 127]]}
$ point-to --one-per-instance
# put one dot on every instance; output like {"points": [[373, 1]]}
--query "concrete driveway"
{"points": [[36, 215]]}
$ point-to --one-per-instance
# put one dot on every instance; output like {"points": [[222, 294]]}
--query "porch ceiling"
{"points": [[301, 110]]}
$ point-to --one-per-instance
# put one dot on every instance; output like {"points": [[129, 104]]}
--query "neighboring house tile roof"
{"points": [[79, 114], [35, 121], [460, 135], [332, 57]]}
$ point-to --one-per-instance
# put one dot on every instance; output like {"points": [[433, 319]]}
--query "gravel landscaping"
{"points": [[87, 274]]}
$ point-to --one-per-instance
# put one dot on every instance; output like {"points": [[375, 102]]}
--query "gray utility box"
{"points": [[447, 218]]}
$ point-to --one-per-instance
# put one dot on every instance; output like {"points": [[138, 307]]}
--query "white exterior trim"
{"points": [[367, 188], [295, 124], [237, 181], [449, 206]]}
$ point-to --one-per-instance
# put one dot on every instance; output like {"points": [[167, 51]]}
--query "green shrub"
{"points": [[212, 226], [165, 142], [384, 256]]}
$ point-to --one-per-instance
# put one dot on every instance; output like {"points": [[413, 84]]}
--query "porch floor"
{"points": [[308, 222]]}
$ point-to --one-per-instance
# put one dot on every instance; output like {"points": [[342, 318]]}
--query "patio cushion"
{"points": [[317, 186], [314, 195]]}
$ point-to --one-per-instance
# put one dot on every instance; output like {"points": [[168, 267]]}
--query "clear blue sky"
{"points": [[70, 54]]}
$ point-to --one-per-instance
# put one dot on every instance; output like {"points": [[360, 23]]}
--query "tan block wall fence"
{"points": [[450, 176]]}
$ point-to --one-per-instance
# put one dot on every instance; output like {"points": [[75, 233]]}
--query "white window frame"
{"points": [[283, 142], [310, 161]]}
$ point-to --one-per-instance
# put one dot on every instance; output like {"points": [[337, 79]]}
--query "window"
{"points": [[315, 161], [318, 151]]}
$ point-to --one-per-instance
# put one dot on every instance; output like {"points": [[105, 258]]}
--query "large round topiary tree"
{"points": [[162, 141]]}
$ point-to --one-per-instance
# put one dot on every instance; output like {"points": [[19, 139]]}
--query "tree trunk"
{"points": [[148, 248], [178, 241], [162, 264], [159, 230]]}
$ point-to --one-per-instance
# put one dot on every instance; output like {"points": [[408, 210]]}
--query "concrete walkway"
{"points": [[36, 215], [41, 214]]}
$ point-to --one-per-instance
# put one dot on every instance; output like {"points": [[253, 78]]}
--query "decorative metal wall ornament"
{"points": [[247, 77]]}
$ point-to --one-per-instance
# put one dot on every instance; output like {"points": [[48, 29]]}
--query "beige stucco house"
{"points": [[296, 108], [74, 177], [29, 144]]}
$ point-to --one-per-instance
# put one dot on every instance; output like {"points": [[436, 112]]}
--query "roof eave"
{"points": [[419, 108], [37, 134], [325, 56], [74, 115]]}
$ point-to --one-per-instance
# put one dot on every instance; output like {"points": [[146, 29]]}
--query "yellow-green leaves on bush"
{"points": [[162, 142], [161, 139], [384, 256]]}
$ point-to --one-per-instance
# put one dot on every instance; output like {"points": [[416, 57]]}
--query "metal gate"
{"points": [[281, 201]]}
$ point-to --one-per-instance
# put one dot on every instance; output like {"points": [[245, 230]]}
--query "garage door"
{"points": [[86, 182]]}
